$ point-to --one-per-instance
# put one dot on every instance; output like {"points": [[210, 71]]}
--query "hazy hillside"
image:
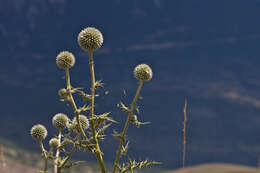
{"points": [[216, 168]]}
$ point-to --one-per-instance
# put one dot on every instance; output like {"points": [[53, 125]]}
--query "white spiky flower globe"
{"points": [[60, 121], [54, 143], [38, 132], [65, 60], [83, 121], [143, 72], [90, 39]]}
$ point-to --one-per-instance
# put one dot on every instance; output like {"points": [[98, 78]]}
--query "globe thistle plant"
{"points": [[65, 60], [54, 143], [83, 121], [60, 121], [84, 133], [90, 39], [143, 72], [38, 132]]}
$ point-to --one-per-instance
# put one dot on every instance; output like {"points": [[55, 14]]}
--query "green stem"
{"points": [[122, 140], [57, 155], [45, 157], [98, 151], [71, 99], [68, 156]]}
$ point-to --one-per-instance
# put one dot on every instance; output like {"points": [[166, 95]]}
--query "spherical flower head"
{"points": [[54, 143], [83, 121], [60, 121], [90, 39], [65, 60], [143, 72], [63, 93], [38, 132]]}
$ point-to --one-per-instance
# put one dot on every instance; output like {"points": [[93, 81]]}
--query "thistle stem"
{"points": [[57, 155], [122, 140], [71, 99], [45, 157], [98, 151]]}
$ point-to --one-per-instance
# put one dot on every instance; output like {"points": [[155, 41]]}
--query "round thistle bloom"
{"points": [[38, 132], [65, 60], [143, 72], [54, 143], [90, 39], [60, 121], [63, 93], [83, 121]]}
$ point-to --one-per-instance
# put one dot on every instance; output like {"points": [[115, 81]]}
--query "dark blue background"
{"points": [[205, 51]]}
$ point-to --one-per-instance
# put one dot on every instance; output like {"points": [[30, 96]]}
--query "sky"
{"points": [[204, 51]]}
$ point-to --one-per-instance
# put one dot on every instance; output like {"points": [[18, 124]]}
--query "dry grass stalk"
{"points": [[184, 133]]}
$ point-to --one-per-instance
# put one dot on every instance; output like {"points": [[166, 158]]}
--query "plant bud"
{"points": [[65, 60], [54, 143], [90, 39], [38, 132], [143, 72]]}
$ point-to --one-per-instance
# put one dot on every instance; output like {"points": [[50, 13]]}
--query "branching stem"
{"points": [[122, 140], [71, 99], [45, 157], [57, 155], [98, 151]]}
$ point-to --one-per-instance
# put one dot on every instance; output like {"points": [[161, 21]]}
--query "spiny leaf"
{"points": [[124, 107], [70, 165], [138, 123], [103, 117], [117, 135], [101, 130], [98, 84], [85, 96], [125, 148], [83, 109], [75, 90]]}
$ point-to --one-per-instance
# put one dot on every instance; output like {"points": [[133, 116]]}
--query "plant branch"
{"points": [[45, 157], [71, 99], [98, 151], [57, 154], [122, 139]]}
